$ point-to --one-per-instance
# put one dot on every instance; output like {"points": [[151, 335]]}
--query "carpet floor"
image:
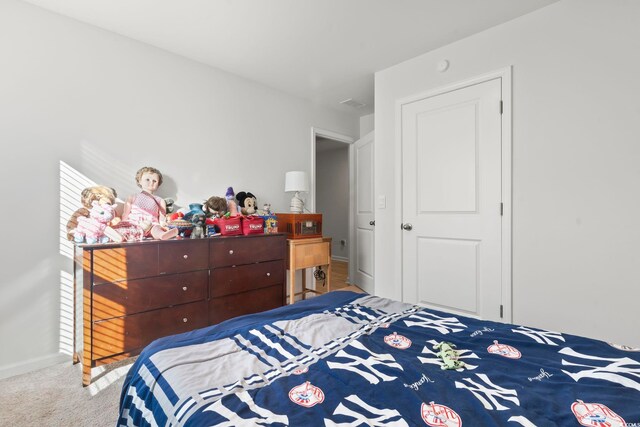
{"points": [[55, 397]]}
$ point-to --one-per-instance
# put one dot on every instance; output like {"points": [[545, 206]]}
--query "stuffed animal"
{"points": [[198, 226], [194, 209], [92, 229], [101, 194], [247, 202], [449, 356], [215, 206], [232, 206], [170, 203]]}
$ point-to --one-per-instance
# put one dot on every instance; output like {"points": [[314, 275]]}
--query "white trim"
{"points": [[33, 364], [505, 76], [339, 258], [315, 132]]}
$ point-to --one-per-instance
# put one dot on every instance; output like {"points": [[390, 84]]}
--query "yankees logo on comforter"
{"points": [[347, 359]]}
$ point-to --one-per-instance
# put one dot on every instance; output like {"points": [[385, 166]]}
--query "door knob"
{"points": [[372, 222], [407, 227]]}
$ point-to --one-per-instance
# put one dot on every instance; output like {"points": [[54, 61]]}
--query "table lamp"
{"points": [[296, 182]]}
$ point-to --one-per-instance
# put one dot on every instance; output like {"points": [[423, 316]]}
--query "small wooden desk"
{"points": [[307, 253]]}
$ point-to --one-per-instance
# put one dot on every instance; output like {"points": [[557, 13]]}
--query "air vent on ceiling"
{"points": [[352, 103]]}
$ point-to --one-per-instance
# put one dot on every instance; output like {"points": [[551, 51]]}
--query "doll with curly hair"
{"points": [[147, 210], [102, 195]]}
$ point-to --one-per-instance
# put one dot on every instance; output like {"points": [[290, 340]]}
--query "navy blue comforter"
{"points": [[346, 359]]}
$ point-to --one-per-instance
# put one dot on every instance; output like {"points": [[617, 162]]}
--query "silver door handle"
{"points": [[407, 227], [372, 222]]}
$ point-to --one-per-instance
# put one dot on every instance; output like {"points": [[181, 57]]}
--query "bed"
{"points": [[348, 359]]}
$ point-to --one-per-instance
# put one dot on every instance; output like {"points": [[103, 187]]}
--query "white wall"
{"points": [[576, 179], [332, 197], [106, 105], [366, 124]]}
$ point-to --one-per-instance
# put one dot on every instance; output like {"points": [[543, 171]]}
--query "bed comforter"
{"points": [[347, 359]]}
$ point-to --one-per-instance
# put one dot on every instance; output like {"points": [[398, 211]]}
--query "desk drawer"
{"points": [[229, 306], [232, 280], [181, 256], [133, 262], [311, 255], [131, 333], [134, 296], [224, 252]]}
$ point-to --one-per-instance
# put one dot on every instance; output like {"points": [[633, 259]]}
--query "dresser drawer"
{"points": [[185, 255], [232, 280], [122, 263], [229, 251], [130, 333], [229, 306], [134, 296]]}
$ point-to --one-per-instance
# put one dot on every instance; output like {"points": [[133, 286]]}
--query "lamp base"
{"points": [[297, 205]]}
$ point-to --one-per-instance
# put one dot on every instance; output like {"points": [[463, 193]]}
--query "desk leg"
{"points": [[328, 278], [292, 285], [304, 283]]}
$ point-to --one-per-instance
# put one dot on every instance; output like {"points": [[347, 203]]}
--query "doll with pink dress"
{"points": [[147, 210]]}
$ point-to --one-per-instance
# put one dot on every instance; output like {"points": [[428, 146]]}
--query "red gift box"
{"points": [[231, 226], [252, 225]]}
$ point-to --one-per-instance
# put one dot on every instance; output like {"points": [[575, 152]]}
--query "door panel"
{"points": [[448, 277], [363, 157], [446, 160], [451, 148]]}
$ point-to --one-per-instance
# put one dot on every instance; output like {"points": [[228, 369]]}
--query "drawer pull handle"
{"points": [[231, 252], [185, 256], [184, 288], [268, 274], [184, 319]]}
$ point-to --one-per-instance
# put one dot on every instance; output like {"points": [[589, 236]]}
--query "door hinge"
{"points": [[501, 106], [501, 209], [501, 311]]}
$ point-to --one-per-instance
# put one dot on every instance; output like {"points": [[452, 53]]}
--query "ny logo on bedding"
{"points": [[262, 416], [444, 325], [624, 371], [539, 336], [359, 364], [489, 393], [358, 410]]}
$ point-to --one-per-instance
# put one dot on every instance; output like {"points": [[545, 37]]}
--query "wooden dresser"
{"points": [[134, 293]]}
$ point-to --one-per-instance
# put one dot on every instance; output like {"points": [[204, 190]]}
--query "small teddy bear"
{"points": [[198, 226], [247, 202], [92, 229]]}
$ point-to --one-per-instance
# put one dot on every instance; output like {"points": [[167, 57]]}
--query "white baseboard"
{"points": [[33, 364], [339, 258]]}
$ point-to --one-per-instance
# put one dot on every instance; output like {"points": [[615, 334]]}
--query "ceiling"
{"points": [[325, 51]]}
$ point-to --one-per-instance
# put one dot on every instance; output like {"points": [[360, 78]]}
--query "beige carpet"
{"points": [[55, 397]]}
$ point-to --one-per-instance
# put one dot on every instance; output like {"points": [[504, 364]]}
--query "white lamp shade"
{"points": [[295, 181]]}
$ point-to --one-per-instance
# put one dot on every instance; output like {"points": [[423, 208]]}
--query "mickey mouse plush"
{"points": [[247, 202]]}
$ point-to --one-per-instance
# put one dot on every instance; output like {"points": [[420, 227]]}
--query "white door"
{"points": [[451, 201], [361, 155]]}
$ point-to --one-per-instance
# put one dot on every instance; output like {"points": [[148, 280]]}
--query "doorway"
{"points": [[330, 196]]}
